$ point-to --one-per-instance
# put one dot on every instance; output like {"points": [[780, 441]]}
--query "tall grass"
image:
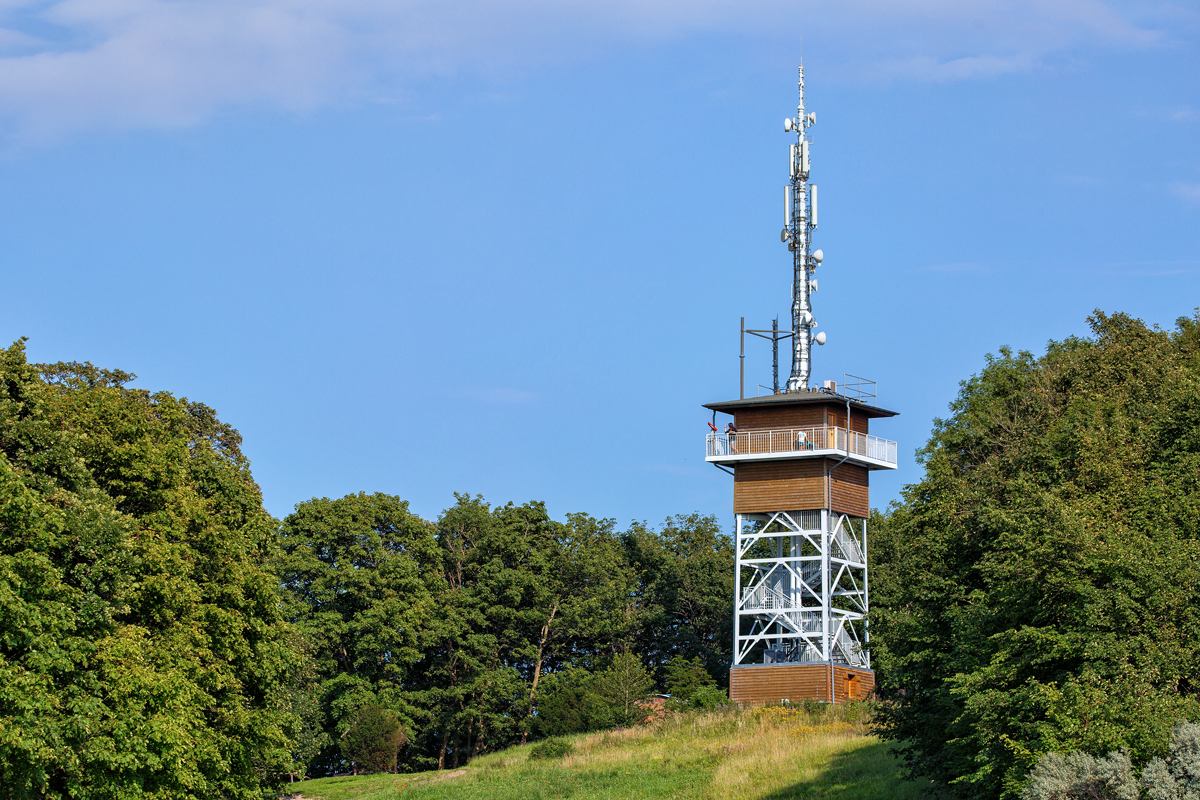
{"points": [[810, 751]]}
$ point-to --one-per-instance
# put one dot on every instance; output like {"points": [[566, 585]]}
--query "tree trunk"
{"points": [[442, 752], [537, 669]]}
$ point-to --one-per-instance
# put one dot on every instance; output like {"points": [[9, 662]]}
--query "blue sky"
{"points": [[503, 248]]}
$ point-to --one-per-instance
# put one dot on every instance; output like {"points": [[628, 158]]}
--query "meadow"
{"points": [[813, 751]]}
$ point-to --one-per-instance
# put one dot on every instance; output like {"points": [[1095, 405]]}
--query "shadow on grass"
{"points": [[870, 772]]}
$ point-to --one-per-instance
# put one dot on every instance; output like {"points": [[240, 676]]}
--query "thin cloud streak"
{"points": [[1187, 191], [75, 65]]}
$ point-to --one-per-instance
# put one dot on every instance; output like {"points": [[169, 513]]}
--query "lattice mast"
{"points": [[800, 220]]}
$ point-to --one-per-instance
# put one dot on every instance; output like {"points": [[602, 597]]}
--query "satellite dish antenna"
{"points": [[783, 235], [812, 118], [820, 338], [818, 256], [787, 124], [813, 284]]}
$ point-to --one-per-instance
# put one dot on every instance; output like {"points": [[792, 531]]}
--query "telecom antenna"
{"points": [[800, 220], [801, 461]]}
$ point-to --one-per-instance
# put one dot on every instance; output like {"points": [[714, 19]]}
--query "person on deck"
{"points": [[731, 434]]}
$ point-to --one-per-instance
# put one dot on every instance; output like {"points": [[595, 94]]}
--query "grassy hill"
{"points": [[769, 753]]}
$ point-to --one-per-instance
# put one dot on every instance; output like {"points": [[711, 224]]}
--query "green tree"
{"points": [[1039, 589], [686, 679], [307, 733], [498, 565], [363, 581], [624, 685], [455, 626], [373, 739], [569, 703], [142, 652], [585, 600], [685, 596]]}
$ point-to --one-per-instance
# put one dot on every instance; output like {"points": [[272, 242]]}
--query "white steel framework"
{"points": [[800, 589]]}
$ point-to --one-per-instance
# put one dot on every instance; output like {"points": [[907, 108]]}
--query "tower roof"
{"points": [[800, 398]]}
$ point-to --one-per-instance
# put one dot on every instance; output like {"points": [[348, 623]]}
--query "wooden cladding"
{"points": [[766, 486], [770, 418], [852, 684], [836, 416], [848, 491], [800, 485], [762, 418], [760, 684]]}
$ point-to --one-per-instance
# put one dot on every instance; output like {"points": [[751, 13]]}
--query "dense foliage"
{"points": [[142, 650], [1039, 589], [492, 625], [162, 636]]}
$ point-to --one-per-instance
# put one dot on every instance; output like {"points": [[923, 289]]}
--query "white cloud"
{"points": [[1187, 191], [67, 65]]}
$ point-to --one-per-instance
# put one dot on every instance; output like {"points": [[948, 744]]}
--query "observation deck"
{"points": [[819, 441]]}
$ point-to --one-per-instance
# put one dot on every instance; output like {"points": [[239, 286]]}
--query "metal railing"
{"points": [[791, 440], [849, 546], [764, 597], [864, 390], [850, 648], [800, 652]]}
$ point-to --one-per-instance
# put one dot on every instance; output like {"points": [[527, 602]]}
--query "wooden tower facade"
{"points": [[801, 463]]}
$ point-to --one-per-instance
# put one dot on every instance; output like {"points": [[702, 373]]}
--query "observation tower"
{"points": [[801, 460]]}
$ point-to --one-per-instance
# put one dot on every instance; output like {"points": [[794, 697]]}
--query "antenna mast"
{"points": [[800, 220]]}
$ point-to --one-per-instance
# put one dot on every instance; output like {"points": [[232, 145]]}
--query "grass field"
{"points": [[818, 753]]}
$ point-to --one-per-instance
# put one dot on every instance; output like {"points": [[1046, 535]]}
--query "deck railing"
{"points": [[851, 648], [790, 440]]}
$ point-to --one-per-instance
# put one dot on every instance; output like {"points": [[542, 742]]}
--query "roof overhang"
{"points": [[799, 399]]}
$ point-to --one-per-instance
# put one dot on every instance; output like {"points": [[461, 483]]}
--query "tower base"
{"points": [[762, 684]]}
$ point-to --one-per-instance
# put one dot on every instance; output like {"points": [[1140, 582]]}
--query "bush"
{"points": [[685, 678], [551, 748], [1079, 776], [1059, 776], [1179, 775], [374, 739], [708, 697], [690, 685], [568, 704]]}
